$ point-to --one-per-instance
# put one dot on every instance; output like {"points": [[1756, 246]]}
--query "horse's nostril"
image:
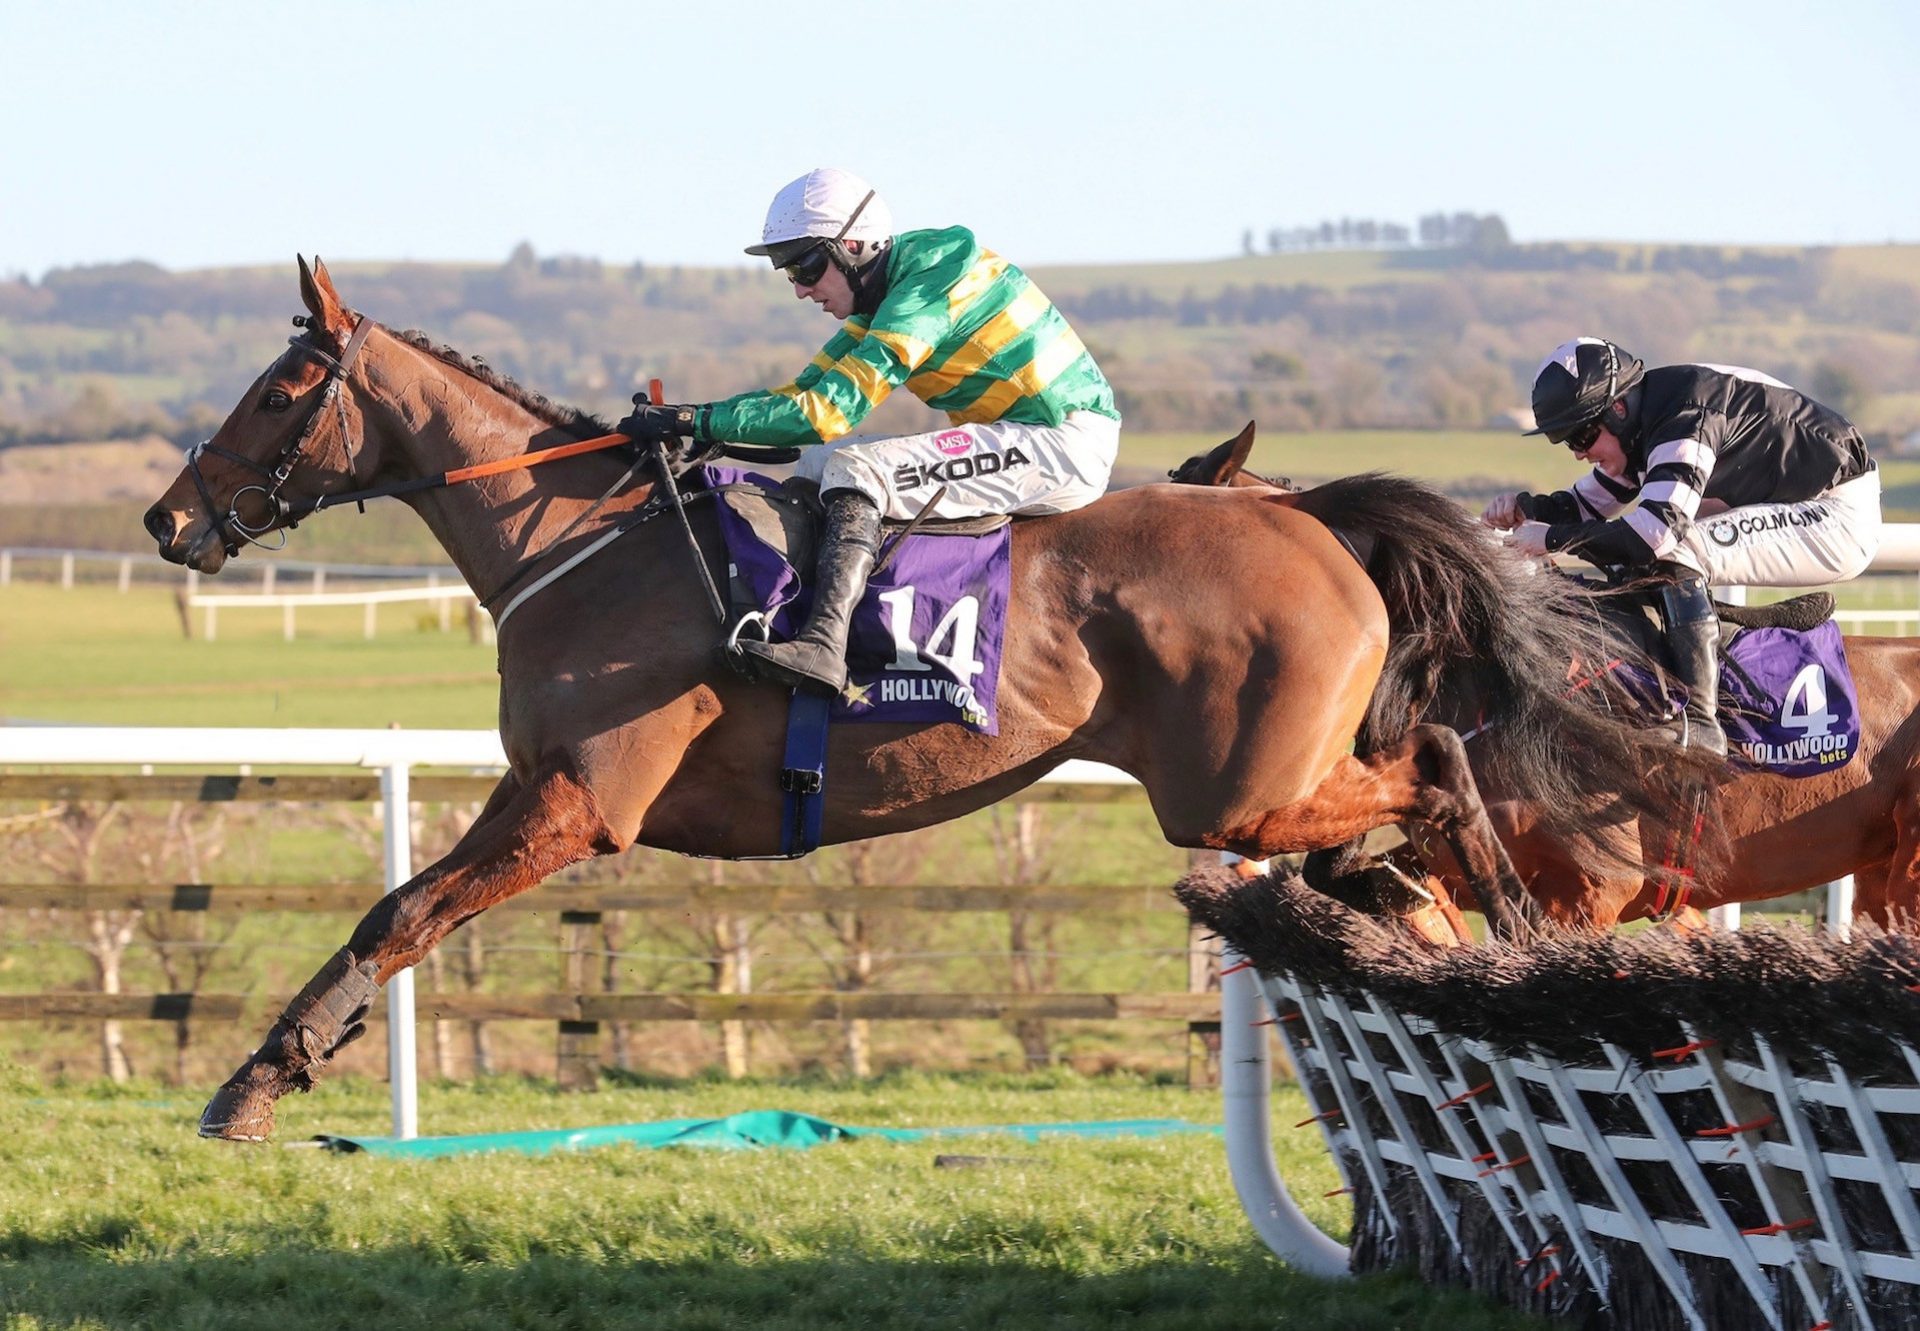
{"points": [[160, 525]]}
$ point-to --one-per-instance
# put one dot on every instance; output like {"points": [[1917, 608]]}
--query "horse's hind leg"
{"points": [[1423, 777], [527, 832], [1889, 893]]}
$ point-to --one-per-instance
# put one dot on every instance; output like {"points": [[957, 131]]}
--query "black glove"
{"points": [[652, 424]]}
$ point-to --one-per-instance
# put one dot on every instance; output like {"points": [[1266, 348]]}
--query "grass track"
{"points": [[115, 1216], [95, 655]]}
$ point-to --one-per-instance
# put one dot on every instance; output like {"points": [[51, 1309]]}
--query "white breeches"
{"points": [[1003, 467], [1829, 538]]}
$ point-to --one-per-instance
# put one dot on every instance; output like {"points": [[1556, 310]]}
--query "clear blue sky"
{"points": [[232, 133]]}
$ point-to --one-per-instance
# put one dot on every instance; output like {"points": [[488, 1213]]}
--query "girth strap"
{"points": [[803, 774]]}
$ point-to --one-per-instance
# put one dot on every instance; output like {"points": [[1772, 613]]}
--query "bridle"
{"points": [[233, 529]]}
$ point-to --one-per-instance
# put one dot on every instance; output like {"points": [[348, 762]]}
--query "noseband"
{"points": [[231, 527]]}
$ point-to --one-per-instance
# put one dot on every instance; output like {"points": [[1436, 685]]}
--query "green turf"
{"points": [[1443, 457], [116, 1216], [96, 655]]}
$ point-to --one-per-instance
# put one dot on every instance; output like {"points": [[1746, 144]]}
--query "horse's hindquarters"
{"points": [[1241, 655]]}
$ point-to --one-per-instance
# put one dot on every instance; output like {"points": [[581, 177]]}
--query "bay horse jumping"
{"points": [[1781, 834], [1218, 647]]}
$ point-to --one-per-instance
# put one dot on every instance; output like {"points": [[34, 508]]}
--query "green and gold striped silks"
{"points": [[967, 332]]}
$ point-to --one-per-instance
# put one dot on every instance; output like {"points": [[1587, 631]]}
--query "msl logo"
{"points": [[913, 475]]}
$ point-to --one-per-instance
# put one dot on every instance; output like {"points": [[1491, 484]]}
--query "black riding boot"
{"points": [[817, 659], [1693, 636]]}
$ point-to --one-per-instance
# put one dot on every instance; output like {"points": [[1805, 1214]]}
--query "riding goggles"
{"points": [[1583, 437], [810, 267]]}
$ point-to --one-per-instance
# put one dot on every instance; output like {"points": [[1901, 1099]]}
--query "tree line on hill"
{"points": [[1439, 230], [1426, 337]]}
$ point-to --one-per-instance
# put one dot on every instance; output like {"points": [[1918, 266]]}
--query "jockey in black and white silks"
{"points": [[1740, 480]]}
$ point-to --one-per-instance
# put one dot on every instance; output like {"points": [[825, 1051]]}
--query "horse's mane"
{"points": [[578, 423]]}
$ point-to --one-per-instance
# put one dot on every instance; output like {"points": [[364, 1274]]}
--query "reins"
{"points": [[456, 475], [308, 507]]}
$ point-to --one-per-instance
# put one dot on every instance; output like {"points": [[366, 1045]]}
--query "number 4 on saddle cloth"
{"points": [[1787, 700], [925, 642]]}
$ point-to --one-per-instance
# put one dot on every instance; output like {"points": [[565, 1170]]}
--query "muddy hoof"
{"points": [[242, 1110]]}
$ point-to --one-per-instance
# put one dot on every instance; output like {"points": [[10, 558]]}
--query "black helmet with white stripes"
{"points": [[1581, 379]]}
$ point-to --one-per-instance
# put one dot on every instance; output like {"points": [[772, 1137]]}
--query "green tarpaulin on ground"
{"points": [[755, 1128]]}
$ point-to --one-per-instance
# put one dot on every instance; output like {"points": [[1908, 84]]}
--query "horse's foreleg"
{"points": [[1423, 777], [1398, 885], [528, 832]]}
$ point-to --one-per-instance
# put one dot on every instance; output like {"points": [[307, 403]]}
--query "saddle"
{"points": [[924, 642], [788, 518], [1800, 613], [1787, 698]]}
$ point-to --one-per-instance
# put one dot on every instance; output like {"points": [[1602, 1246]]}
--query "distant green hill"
{"points": [[1407, 339]]}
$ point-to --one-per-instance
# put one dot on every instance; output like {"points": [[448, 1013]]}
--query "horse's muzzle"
{"points": [[185, 539], [159, 524]]}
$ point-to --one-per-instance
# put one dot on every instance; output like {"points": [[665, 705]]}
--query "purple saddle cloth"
{"points": [[1787, 700], [926, 637]]}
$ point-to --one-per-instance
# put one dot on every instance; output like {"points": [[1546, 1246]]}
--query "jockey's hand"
{"points": [[652, 423], [685, 454], [1503, 512], [1530, 538]]}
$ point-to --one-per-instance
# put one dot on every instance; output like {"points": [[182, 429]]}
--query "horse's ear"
{"points": [[1219, 466], [323, 302], [1242, 446], [1225, 462]]}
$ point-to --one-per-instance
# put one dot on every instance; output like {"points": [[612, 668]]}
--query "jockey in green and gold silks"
{"points": [[1034, 430], [964, 330]]}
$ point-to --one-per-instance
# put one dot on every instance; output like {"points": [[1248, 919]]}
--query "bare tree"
{"points": [[730, 949], [433, 836], [473, 971], [855, 961], [185, 944], [82, 829], [1019, 856]]}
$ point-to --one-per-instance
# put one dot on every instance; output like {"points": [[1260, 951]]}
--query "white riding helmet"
{"points": [[825, 204]]}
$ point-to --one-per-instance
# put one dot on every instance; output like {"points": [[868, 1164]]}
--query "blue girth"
{"points": [[803, 774]]}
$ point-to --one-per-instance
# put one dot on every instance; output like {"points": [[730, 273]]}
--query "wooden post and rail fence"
{"points": [[577, 1006]]}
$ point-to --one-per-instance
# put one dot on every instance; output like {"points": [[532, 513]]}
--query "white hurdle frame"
{"points": [[209, 603]]}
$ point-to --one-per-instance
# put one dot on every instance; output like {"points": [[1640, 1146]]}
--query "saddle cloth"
{"points": [[926, 637], [1787, 700]]}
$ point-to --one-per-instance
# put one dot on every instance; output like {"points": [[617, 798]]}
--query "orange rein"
{"points": [[453, 477], [515, 463], [656, 393]]}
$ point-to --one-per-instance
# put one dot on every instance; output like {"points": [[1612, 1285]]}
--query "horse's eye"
{"points": [[276, 399]]}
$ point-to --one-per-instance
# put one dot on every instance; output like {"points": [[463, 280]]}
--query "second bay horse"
{"points": [[1781, 834]]}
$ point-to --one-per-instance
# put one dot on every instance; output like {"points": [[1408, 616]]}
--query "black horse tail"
{"points": [[1482, 640]]}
